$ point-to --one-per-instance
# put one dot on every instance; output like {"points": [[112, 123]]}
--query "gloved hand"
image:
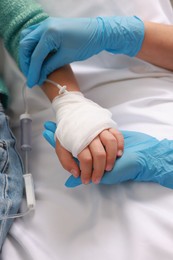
{"points": [[58, 41], [144, 159]]}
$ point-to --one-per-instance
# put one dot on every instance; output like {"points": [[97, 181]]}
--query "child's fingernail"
{"points": [[85, 181], [109, 167], [120, 153], [96, 181], [74, 173]]}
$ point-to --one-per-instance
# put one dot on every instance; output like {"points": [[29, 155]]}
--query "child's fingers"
{"points": [[99, 159], [120, 141], [86, 165], [110, 144], [67, 160]]}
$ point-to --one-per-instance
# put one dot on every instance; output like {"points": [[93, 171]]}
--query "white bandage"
{"points": [[79, 121]]}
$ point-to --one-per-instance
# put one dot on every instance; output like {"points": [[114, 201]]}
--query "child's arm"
{"points": [[101, 153]]}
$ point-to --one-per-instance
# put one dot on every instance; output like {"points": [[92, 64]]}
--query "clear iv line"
{"points": [[62, 89], [18, 215], [24, 94], [29, 187]]}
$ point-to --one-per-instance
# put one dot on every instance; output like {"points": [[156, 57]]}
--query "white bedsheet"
{"points": [[127, 221]]}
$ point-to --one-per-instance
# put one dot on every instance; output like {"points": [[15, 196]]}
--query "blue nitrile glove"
{"points": [[58, 41], [144, 159], [49, 133]]}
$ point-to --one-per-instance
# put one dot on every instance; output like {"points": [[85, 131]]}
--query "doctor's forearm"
{"points": [[157, 46], [62, 76]]}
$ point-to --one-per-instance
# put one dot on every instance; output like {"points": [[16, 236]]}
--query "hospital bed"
{"points": [[125, 221]]}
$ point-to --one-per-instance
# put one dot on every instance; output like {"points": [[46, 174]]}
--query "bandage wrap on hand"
{"points": [[79, 121]]}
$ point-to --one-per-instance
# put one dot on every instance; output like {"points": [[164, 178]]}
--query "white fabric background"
{"points": [[126, 221]]}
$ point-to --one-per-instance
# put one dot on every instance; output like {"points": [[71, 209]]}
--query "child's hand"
{"points": [[87, 132], [99, 156], [145, 159]]}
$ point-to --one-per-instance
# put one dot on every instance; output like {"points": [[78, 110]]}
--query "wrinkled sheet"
{"points": [[125, 221]]}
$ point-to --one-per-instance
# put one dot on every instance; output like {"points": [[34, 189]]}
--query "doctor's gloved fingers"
{"points": [[26, 49], [50, 132], [43, 60], [30, 38], [49, 136], [51, 126], [120, 141], [66, 159], [24, 61]]}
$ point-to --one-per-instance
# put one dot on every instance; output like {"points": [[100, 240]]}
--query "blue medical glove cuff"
{"points": [[124, 35]]}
